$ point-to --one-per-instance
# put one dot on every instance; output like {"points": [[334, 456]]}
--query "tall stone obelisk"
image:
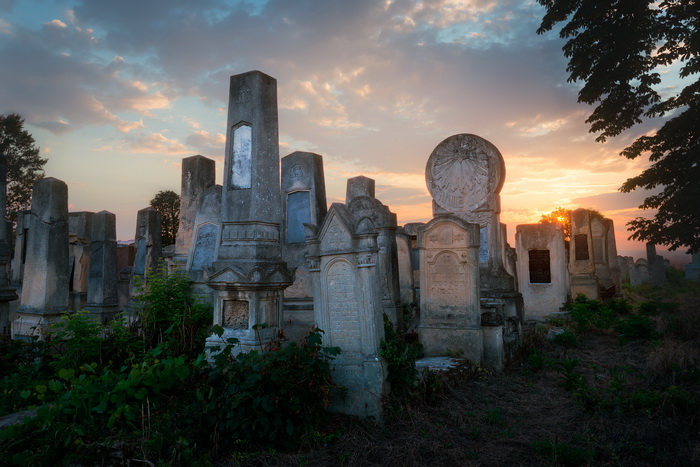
{"points": [[248, 274]]}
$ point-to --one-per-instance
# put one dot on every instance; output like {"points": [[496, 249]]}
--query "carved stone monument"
{"points": [[198, 174], [79, 230], [543, 268], [465, 174], [102, 293], [248, 274], [7, 292], [343, 263], [582, 267], [449, 298], [304, 202], [45, 284]]}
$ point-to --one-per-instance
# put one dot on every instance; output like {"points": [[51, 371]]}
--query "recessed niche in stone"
{"points": [[540, 272], [236, 314]]}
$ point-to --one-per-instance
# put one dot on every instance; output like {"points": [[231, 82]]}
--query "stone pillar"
{"points": [[249, 275], [21, 234], [45, 282], [7, 292], [198, 174], [359, 186], [102, 292], [582, 267], [304, 202], [79, 231], [148, 243], [613, 263]]}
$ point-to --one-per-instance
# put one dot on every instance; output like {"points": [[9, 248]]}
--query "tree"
{"points": [[168, 204], [563, 216], [24, 166], [618, 49]]}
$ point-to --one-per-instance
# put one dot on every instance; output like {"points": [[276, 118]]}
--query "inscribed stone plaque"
{"points": [[539, 263], [484, 245], [581, 241], [298, 213], [204, 247], [242, 148], [236, 314], [447, 278], [342, 307]]}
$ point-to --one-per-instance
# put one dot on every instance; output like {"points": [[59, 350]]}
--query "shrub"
{"points": [[273, 396], [672, 358], [587, 313], [634, 327], [78, 338], [400, 350]]}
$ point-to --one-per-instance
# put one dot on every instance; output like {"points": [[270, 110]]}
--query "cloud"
{"points": [[156, 143]]}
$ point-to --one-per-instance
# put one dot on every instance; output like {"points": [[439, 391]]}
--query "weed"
{"points": [[565, 339], [558, 453]]}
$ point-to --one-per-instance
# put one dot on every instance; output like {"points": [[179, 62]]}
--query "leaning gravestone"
{"points": [[45, 282]]}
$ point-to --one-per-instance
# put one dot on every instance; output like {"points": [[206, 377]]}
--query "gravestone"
{"points": [[343, 263], [198, 174], [692, 270], [79, 230], [21, 235], [248, 274], [624, 269], [45, 281], [465, 174], [599, 234], [405, 268], [582, 265], [147, 240], [7, 292], [304, 202], [642, 272], [384, 222], [102, 293], [657, 273], [542, 267], [613, 264], [449, 298]]}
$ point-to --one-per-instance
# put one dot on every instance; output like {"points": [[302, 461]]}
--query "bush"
{"points": [[274, 396], [588, 313], [400, 350], [634, 327]]}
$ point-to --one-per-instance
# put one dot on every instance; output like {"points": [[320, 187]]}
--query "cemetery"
{"points": [[264, 256]]}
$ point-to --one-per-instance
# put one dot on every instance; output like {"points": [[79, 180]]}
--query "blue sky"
{"points": [[117, 93]]}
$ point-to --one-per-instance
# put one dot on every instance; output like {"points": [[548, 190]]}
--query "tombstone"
{"points": [[449, 300], [343, 263], [45, 281], [384, 221], [79, 230], [692, 270], [624, 269], [147, 241], [405, 268], [7, 292], [542, 267], [359, 186], [465, 174], [582, 265], [248, 274], [411, 230], [20, 256], [102, 292], [599, 236], [656, 265], [642, 273], [613, 264], [198, 174], [304, 202]]}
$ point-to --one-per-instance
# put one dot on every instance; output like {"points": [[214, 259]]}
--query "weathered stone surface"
{"points": [[79, 230], [148, 242], [45, 283], [198, 174], [359, 186], [582, 266], [102, 294], [542, 267], [343, 259], [692, 270], [450, 305]]}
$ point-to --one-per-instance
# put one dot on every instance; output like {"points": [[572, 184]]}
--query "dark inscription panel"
{"points": [[298, 213], [540, 272], [581, 241]]}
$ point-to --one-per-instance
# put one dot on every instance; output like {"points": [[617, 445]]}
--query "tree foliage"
{"points": [[562, 216], [619, 50], [168, 204], [24, 166]]}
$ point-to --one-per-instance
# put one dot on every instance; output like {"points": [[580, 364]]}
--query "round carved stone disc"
{"points": [[463, 174]]}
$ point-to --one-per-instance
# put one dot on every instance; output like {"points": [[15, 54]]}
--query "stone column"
{"points": [[102, 294], [45, 284], [582, 270], [79, 230]]}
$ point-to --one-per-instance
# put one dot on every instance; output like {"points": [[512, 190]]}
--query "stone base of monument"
{"points": [[31, 323], [363, 383], [297, 318], [247, 340], [440, 341], [586, 285], [76, 300], [103, 313], [492, 328]]}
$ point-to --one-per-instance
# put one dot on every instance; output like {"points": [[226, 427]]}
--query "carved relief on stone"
{"points": [[463, 174]]}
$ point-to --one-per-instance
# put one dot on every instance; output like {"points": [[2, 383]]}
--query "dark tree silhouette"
{"points": [[168, 204]]}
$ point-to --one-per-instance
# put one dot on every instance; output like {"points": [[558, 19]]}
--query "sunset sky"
{"points": [[116, 93]]}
